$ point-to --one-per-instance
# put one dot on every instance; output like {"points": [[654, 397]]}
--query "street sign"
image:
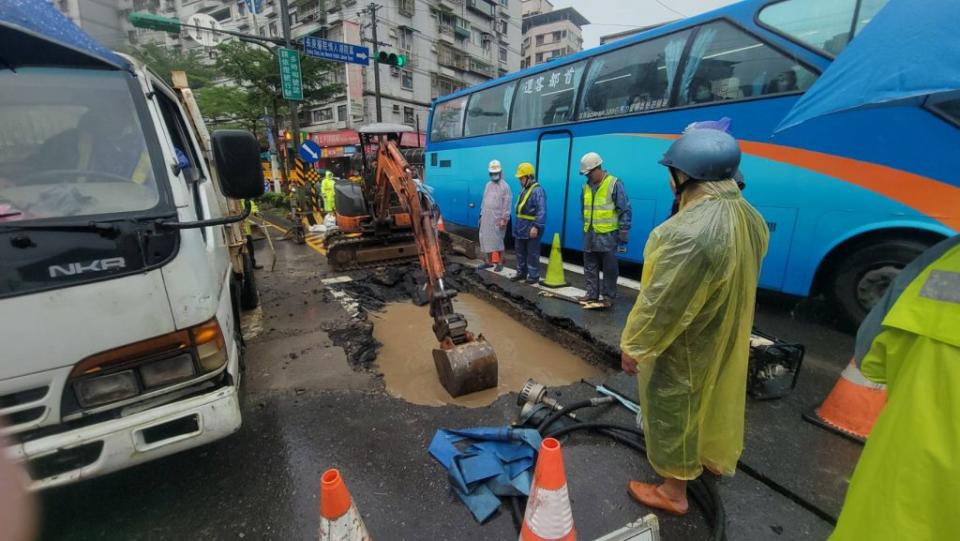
{"points": [[207, 38], [290, 80], [310, 151], [336, 51]]}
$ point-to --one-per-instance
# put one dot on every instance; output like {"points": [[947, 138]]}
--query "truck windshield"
{"points": [[71, 145]]}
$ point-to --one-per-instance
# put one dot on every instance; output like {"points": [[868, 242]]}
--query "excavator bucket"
{"points": [[467, 368]]}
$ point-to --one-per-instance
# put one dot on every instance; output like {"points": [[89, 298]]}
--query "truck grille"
{"points": [[23, 408]]}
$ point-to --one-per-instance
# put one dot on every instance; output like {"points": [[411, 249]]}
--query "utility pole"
{"points": [[376, 65], [294, 118]]}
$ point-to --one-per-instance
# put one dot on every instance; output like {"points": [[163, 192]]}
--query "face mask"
{"points": [[495, 177]]}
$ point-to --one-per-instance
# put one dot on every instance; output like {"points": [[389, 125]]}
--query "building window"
{"points": [[503, 54], [342, 113], [540, 39], [556, 36], [406, 7], [539, 58], [503, 27], [273, 29], [408, 116], [241, 8], [505, 3], [406, 79], [405, 38], [323, 115]]}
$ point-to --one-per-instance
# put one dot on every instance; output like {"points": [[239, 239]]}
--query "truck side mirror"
{"points": [[236, 154]]}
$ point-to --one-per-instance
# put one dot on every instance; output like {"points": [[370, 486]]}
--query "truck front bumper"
{"points": [[119, 443]]}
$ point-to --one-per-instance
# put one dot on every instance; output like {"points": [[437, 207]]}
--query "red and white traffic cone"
{"points": [[548, 516], [339, 518]]}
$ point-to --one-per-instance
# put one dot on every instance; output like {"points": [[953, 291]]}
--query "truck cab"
{"points": [[121, 259]]}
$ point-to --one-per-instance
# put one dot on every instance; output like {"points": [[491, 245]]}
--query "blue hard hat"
{"points": [[704, 154]]}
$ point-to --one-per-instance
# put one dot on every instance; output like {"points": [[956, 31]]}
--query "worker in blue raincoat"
{"points": [[528, 226], [688, 335], [906, 483]]}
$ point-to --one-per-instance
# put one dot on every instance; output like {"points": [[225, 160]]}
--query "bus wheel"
{"points": [[862, 277], [249, 297]]}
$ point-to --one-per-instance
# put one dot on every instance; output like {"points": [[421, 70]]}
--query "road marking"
{"points": [[336, 280]]}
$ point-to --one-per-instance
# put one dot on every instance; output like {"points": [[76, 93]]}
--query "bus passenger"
{"points": [[531, 216], [606, 226], [494, 215]]}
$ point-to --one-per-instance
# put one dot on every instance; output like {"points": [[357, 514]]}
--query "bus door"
{"points": [[553, 173]]}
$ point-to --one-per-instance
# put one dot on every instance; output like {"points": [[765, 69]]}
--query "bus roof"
{"points": [[740, 9]]}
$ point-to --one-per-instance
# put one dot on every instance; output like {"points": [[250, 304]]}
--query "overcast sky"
{"points": [[612, 16]]}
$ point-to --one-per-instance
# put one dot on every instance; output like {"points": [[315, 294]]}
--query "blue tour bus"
{"points": [[849, 198]]}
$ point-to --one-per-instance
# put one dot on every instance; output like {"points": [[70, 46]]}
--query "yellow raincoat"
{"points": [[689, 330], [328, 191], [907, 481]]}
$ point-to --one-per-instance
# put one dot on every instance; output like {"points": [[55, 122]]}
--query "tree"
{"points": [[163, 60], [230, 106], [258, 73]]}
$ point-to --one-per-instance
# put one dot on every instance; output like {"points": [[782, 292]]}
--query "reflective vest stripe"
{"points": [[523, 202], [930, 305], [600, 210]]}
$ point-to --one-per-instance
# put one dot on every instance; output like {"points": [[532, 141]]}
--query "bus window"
{"points": [[488, 111], [546, 98], [633, 79], [824, 25], [448, 120], [726, 63]]}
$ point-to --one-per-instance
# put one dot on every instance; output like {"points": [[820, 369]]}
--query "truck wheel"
{"points": [[249, 297], [861, 278]]}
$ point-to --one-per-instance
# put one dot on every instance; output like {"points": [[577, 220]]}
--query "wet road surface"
{"points": [[306, 408]]}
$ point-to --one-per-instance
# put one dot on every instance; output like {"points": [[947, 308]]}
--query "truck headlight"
{"points": [[211, 348], [167, 371], [99, 390]]}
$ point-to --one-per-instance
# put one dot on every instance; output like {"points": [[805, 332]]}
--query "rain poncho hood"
{"points": [[690, 330]]}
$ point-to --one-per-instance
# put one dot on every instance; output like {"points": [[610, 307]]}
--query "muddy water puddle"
{"points": [[406, 361]]}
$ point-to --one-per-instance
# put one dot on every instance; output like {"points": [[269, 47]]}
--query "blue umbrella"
{"points": [[910, 50]]}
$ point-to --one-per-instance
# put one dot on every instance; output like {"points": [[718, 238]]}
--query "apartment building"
{"points": [[549, 33]]}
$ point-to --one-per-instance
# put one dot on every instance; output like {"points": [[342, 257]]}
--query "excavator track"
{"points": [[349, 253]]}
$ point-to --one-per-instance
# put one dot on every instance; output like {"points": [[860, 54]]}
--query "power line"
{"points": [[664, 6]]}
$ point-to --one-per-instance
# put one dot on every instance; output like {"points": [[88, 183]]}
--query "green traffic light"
{"points": [[401, 60], [143, 19]]}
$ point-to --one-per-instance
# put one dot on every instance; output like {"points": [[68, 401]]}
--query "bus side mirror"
{"points": [[236, 154]]}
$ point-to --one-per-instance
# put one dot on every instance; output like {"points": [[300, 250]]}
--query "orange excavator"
{"points": [[391, 216]]}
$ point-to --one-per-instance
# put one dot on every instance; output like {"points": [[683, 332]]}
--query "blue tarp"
{"points": [[486, 463], [34, 32], [908, 51]]}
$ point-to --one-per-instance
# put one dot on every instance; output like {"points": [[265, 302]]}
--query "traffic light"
{"points": [[143, 19], [391, 59]]}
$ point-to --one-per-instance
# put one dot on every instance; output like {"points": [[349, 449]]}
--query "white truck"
{"points": [[121, 261]]}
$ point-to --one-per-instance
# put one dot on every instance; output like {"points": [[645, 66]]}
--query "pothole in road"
{"points": [[406, 361]]}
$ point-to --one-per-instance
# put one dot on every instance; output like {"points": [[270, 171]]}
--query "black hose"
{"points": [[542, 427], [702, 492]]}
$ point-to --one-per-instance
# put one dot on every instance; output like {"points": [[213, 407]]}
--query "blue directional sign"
{"points": [[336, 51], [310, 151]]}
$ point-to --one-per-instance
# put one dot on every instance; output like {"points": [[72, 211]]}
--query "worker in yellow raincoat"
{"points": [[907, 482], [688, 335], [328, 192]]}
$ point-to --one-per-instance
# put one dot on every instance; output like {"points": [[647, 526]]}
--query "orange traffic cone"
{"points": [[440, 226], [339, 518], [852, 406], [548, 515]]}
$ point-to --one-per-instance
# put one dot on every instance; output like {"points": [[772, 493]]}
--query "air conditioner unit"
{"points": [[396, 108]]}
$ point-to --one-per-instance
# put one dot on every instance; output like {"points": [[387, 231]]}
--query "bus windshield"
{"points": [[71, 145]]}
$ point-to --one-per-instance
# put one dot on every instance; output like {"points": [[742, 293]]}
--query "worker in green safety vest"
{"points": [[248, 230], [906, 483], [328, 191], [606, 229]]}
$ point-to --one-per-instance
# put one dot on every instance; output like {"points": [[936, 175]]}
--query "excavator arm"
{"points": [[465, 363]]}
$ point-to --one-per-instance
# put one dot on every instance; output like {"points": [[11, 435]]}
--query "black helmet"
{"points": [[704, 154]]}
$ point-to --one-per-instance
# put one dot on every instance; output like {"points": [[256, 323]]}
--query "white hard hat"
{"points": [[494, 166], [589, 162]]}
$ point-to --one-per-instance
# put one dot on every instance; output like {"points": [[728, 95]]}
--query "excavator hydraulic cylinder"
{"points": [[467, 368]]}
